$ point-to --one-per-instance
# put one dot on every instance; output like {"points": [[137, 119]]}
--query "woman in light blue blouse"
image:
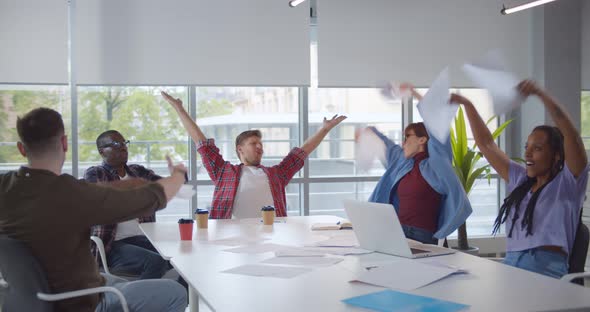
{"points": [[542, 211]]}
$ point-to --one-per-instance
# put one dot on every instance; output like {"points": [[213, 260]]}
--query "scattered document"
{"points": [[340, 251], [257, 248], [368, 147], [392, 91], [491, 73], [435, 108], [298, 252], [338, 241], [389, 300], [268, 271], [238, 241], [405, 274], [186, 191], [434, 262], [304, 261]]}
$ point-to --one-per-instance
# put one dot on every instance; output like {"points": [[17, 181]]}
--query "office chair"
{"points": [[103, 261], [28, 289], [578, 256]]}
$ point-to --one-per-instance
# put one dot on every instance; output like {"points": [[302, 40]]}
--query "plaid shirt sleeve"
{"points": [[212, 159], [289, 166], [142, 172]]}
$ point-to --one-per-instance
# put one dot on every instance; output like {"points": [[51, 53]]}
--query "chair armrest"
{"points": [[84, 292], [101, 252], [572, 276]]}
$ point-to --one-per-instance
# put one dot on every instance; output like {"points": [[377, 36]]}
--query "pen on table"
{"points": [[277, 221]]}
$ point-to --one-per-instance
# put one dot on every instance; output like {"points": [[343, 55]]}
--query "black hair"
{"points": [[39, 130], [103, 136], [555, 140]]}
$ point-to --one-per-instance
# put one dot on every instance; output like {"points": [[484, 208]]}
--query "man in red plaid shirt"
{"points": [[241, 190]]}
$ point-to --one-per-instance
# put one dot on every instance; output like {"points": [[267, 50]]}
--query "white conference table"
{"points": [[489, 286]]}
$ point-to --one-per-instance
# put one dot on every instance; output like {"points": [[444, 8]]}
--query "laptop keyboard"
{"points": [[418, 251]]}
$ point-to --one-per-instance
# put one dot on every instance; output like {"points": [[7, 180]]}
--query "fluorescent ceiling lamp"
{"points": [[524, 6], [294, 3]]}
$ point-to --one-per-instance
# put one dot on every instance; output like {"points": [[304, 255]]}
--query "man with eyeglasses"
{"points": [[128, 251]]}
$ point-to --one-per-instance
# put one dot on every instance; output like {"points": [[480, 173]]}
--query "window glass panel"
{"points": [[326, 198], [335, 156], [18, 100], [142, 116]]}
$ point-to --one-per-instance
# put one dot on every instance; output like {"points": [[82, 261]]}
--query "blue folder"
{"points": [[389, 300]]}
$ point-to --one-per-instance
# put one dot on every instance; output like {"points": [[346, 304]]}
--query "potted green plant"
{"points": [[465, 164]]}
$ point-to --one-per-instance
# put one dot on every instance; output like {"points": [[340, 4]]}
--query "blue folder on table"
{"points": [[389, 300]]}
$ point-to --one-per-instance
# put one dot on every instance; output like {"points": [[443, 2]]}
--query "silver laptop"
{"points": [[377, 228]]}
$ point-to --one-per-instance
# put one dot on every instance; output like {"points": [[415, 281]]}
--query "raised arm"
{"points": [[313, 141], [483, 138], [173, 183], [575, 153], [191, 127], [408, 86]]}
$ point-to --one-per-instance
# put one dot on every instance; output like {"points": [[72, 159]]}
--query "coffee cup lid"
{"points": [[184, 221], [268, 208]]}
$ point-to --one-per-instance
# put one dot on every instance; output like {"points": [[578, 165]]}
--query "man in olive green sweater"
{"points": [[52, 213]]}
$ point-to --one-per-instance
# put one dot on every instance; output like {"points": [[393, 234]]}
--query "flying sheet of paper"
{"points": [[491, 73], [304, 261], [435, 109], [268, 271], [392, 91], [186, 191], [405, 274], [368, 147], [254, 249]]}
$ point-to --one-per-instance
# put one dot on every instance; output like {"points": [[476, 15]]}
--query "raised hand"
{"points": [[331, 123], [528, 87], [176, 103], [178, 168]]}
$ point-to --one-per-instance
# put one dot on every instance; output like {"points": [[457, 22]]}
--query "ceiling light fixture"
{"points": [[525, 6], [294, 3]]}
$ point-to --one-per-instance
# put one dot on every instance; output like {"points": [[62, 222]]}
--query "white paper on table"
{"points": [[491, 73], [268, 271], [304, 261], [435, 108], [437, 263], [238, 241], [405, 274], [298, 252], [338, 241], [368, 147], [259, 248], [186, 191], [340, 251]]}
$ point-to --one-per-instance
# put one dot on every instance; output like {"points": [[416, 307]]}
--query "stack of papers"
{"points": [[341, 225], [405, 274], [389, 300]]}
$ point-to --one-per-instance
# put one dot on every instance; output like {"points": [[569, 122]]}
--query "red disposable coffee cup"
{"points": [[185, 226]]}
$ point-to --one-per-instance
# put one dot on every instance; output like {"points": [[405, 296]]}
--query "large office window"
{"points": [[142, 117], [17, 100]]}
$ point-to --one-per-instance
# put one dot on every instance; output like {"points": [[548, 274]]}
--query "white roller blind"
{"points": [[33, 41], [363, 43], [586, 45], [220, 42]]}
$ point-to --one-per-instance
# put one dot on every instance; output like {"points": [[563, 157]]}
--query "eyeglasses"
{"points": [[116, 144]]}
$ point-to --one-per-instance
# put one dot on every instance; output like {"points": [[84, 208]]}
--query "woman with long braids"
{"points": [[542, 209]]}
